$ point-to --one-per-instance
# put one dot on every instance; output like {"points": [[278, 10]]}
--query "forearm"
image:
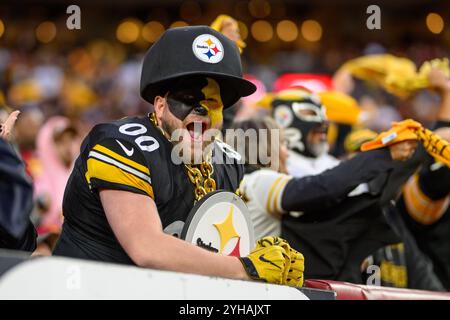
{"points": [[135, 221], [176, 255], [334, 184]]}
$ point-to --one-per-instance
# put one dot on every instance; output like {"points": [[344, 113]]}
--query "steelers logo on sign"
{"points": [[208, 48], [220, 222]]}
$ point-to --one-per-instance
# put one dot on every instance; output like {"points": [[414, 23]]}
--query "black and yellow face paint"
{"points": [[213, 102], [198, 95]]}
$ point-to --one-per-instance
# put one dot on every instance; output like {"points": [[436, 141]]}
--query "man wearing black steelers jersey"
{"points": [[127, 197]]}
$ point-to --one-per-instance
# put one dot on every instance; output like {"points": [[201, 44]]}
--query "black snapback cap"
{"points": [[189, 51]]}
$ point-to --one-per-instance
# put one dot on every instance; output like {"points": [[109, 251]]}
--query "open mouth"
{"points": [[196, 130]]}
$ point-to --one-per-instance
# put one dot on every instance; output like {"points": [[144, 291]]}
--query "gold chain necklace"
{"points": [[199, 175]]}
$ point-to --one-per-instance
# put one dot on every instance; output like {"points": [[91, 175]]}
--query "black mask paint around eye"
{"points": [[185, 97], [179, 109]]}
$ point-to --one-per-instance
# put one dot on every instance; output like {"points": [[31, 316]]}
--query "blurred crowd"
{"points": [[62, 96]]}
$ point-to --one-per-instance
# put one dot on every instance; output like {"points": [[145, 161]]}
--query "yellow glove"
{"points": [[295, 263], [266, 264], [295, 276]]}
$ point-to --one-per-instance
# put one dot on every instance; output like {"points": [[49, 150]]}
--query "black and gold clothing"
{"points": [[335, 240], [425, 208], [391, 261], [131, 155]]}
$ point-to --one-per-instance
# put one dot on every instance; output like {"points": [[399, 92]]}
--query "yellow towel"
{"points": [[398, 76], [412, 130]]}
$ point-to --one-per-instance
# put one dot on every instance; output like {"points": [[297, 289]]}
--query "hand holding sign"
{"points": [[274, 261], [295, 262], [220, 222], [266, 263]]}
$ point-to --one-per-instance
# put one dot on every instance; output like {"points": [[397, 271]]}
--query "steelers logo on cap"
{"points": [[208, 48]]}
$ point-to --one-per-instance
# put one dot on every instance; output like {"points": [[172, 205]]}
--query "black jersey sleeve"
{"points": [[126, 154], [434, 180], [331, 186], [441, 124], [115, 163]]}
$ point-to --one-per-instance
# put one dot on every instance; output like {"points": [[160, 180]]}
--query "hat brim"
{"points": [[232, 88]]}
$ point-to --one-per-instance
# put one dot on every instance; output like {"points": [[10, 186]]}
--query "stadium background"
{"points": [[92, 75], [40, 58]]}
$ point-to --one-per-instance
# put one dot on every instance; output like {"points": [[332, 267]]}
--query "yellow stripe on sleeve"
{"points": [[276, 202], [120, 158], [421, 208], [110, 173], [269, 197]]}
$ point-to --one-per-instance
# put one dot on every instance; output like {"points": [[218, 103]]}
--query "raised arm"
{"points": [[276, 193], [330, 187]]}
